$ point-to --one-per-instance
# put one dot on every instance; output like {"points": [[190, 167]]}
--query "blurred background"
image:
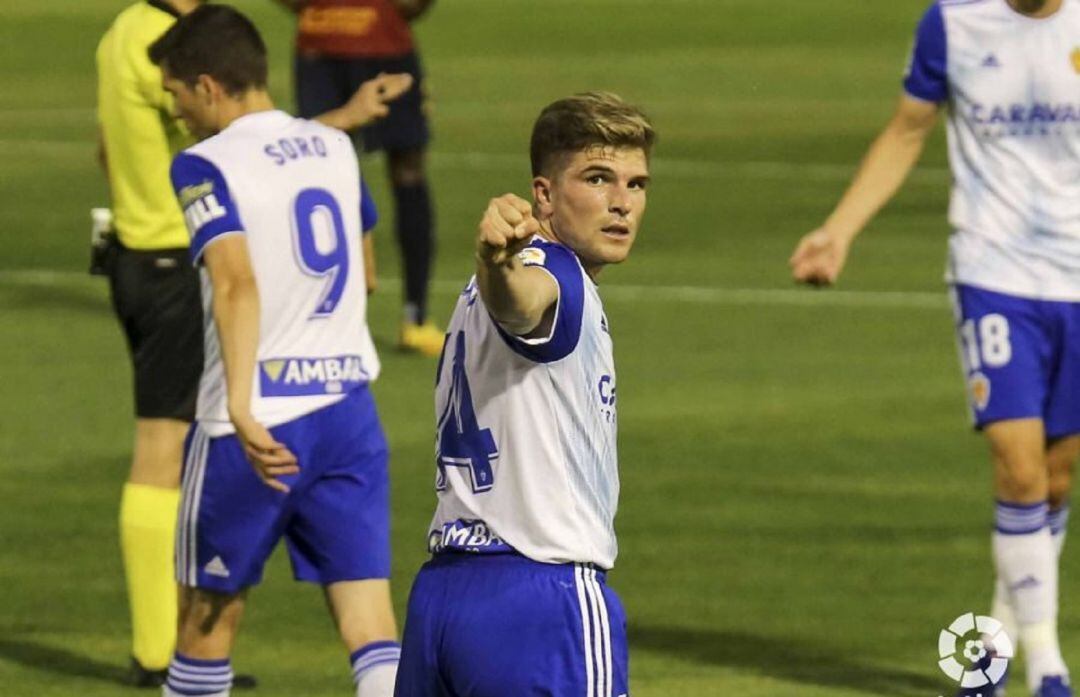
{"points": [[803, 505]]}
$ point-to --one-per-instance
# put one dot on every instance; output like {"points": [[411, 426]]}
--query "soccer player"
{"points": [[286, 442], [339, 44], [514, 600], [1006, 72], [155, 295]]}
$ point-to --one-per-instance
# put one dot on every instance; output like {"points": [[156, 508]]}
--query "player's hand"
{"points": [[270, 458], [819, 258], [506, 228], [369, 102]]}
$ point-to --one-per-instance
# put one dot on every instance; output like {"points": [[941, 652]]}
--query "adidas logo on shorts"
{"points": [[216, 567]]}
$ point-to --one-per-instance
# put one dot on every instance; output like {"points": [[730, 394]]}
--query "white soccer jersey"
{"points": [[292, 188], [1012, 84], [526, 455]]}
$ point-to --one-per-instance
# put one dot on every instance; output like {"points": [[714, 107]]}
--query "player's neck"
{"points": [[250, 102], [1036, 8]]}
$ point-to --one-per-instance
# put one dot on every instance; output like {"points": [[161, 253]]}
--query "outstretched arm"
{"points": [[520, 298], [820, 255], [368, 103]]}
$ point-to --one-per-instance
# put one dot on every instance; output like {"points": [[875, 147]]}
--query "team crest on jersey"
{"points": [[1076, 59], [531, 256], [979, 385]]}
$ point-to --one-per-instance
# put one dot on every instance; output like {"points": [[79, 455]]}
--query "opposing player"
{"points": [[155, 295], [514, 600], [286, 441], [1007, 71], [339, 44]]}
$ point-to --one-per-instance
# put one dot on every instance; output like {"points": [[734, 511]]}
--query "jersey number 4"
{"points": [[321, 248], [462, 443]]}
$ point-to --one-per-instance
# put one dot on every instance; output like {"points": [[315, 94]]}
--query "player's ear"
{"points": [[207, 88], [541, 187]]}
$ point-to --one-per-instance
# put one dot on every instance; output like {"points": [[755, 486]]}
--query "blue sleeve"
{"points": [[563, 266], [209, 210], [926, 77], [369, 214]]}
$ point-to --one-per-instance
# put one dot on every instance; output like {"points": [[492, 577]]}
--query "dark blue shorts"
{"points": [[324, 83], [500, 624], [335, 518], [1021, 358]]}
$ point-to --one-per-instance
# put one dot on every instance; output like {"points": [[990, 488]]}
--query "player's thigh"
{"points": [[321, 84], [229, 519], [339, 529], [526, 628], [157, 300], [1005, 351], [406, 126]]}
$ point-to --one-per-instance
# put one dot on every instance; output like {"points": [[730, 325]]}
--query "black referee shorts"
{"points": [[324, 83], [155, 295]]}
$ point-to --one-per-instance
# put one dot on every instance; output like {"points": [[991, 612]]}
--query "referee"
{"points": [[155, 295]]}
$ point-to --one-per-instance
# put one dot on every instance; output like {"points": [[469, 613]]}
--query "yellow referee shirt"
{"points": [[140, 133]]}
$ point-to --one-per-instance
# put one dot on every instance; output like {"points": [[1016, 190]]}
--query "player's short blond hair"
{"points": [[582, 120]]}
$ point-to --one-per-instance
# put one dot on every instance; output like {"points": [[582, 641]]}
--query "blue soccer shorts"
{"points": [[1021, 358], [501, 624], [335, 518]]}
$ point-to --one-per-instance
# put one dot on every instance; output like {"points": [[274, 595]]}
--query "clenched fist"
{"points": [[505, 229]]}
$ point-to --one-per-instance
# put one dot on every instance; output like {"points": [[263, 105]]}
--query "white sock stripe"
{"points": [[583, 606], [368, 660], [360, 673], [199, 672], [203, 686], [605, 625], [600, 634]]}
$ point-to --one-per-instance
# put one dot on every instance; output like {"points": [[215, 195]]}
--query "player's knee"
{"points": [[1022, 479], [208, 622]]}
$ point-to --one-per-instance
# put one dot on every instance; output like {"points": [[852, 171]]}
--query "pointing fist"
{"points": [[505, 229]]}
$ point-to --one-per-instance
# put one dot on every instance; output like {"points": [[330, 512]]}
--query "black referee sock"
{"points": [[417, 240]]}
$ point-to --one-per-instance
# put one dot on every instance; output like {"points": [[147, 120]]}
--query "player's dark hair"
{"points": [[214, 40], [590, 118]]}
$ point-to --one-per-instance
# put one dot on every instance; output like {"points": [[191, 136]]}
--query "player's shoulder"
{"points": [[549, 254]]}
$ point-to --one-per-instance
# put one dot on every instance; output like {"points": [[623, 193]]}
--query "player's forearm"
{"points": [[515, 295], [343, 119], [884, 169], [236, 316]]}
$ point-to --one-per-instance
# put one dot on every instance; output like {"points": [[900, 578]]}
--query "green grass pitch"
{"points": [[804, 506]]}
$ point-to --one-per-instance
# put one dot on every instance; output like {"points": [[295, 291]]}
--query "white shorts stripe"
{"points": [[605, 625], [193, 528], [583, 605], [192, 489], [185, 503], [603, 687]]}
